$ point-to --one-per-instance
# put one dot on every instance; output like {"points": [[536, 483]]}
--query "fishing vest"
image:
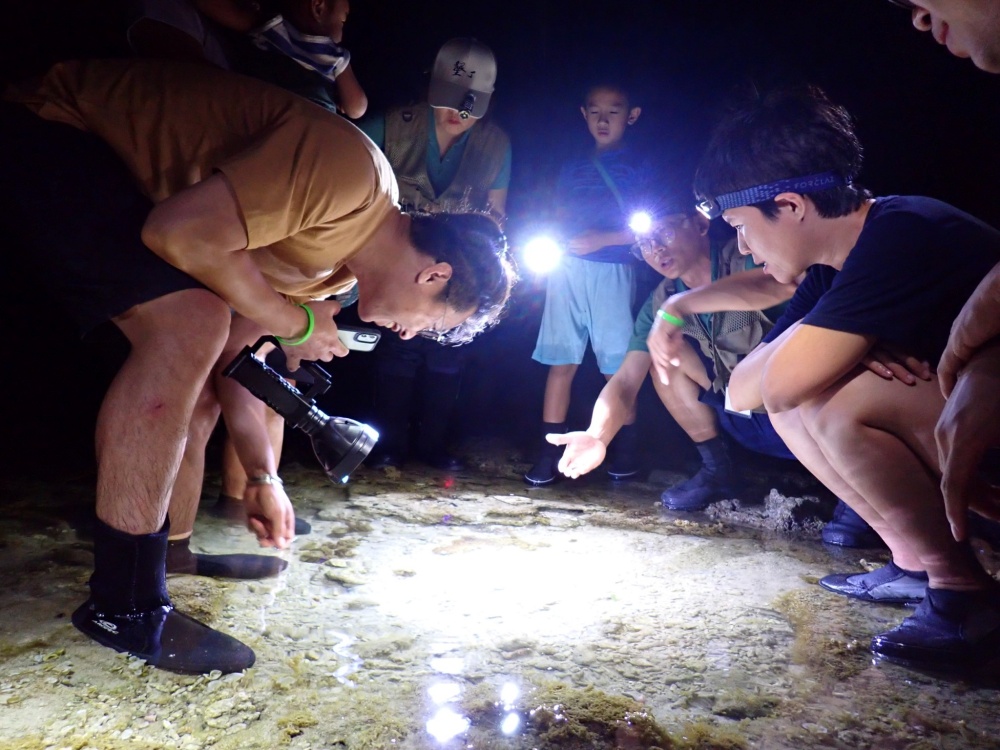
{"points": [[406, 139], [733, 333]]}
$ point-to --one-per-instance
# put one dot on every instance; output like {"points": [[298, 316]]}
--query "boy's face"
{"points": [[449, 122], [773, 242], [676, 244], [321, 17], [607, 114], [968, 28]]}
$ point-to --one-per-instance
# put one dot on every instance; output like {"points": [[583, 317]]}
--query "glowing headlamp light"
{"points": [[640, 223], [711, 208]]}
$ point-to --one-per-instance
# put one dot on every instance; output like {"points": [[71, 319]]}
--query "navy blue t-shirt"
{"points": [[585, 201], [915, 264], [817, 282]]}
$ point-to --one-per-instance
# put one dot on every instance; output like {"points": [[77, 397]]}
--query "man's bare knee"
{"points": [[189, 327]]}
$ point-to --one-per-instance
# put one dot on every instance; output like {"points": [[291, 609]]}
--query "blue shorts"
{"points": [[585, 300], [755, 432]]}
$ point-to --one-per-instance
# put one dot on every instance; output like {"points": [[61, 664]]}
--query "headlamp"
{"points": [[468, 104], [640, 222], [712, 208]]}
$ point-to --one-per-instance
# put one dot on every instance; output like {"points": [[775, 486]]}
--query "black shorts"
{"points": [[75, 214]]}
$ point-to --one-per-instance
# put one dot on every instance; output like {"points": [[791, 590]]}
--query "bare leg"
{"points": [[143, 422], [681, 394], [878, 436], [794, 431], [557, 393], [186, 496]]}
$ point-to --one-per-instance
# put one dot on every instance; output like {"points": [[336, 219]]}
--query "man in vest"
{"points": [[446, 157], [712, 295]]}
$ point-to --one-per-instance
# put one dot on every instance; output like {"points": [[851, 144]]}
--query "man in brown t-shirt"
{"points": [[251, 205]]}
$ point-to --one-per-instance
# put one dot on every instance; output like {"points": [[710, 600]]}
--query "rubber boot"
{"points": [[848, 529], [129, 609], [712, 482], [545, 469], [624, 450], [393, 403], [439, 397]]}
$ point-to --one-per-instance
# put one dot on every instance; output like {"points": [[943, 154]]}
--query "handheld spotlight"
{"points": [[542, 254], [340, 444]]}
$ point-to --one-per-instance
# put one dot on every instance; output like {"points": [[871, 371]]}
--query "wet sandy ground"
{"points": [[575, 616]]}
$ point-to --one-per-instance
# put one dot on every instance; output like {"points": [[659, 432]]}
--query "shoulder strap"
{"points": [[609, 182]]}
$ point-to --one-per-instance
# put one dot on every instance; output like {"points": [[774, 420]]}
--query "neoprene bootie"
{"points": [[712, 482], [129, 609], [180, 559], [545, 470], [624, 454]]}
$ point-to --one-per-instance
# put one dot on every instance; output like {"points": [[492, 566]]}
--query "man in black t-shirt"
{"points": [[780, 171]]}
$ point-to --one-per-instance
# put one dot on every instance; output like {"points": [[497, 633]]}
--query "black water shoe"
{"points": [[165, 638], [949, 631], [889, 584]]}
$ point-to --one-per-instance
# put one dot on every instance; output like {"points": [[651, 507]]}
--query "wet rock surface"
{"points": [[579, 615]]}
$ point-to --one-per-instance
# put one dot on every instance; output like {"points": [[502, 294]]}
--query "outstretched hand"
{"points": [[583, 452], [269, 515]]}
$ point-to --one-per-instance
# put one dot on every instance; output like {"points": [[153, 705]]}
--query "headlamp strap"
{"points": [[760, 193]]}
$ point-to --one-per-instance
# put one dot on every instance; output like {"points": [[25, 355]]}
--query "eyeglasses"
{"points": [[661, 234], [904, 4], [438, 334]]}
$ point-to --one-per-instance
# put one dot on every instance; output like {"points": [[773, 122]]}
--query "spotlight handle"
{"points": [[264, 383], [321, 378]]}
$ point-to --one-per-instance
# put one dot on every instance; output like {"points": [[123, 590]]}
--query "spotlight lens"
{"points": [[641, 222], [542, 254]]}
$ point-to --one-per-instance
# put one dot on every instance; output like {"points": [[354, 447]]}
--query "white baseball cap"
{"points": [[464, 73]]}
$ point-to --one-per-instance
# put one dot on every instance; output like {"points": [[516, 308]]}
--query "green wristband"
{"points": [[672, 319], [305, 336]]}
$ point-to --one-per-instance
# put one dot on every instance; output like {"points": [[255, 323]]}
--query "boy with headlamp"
{"points": [[905, 267]]}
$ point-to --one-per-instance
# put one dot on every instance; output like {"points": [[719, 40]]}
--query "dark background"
{"points": [[930, 124]]}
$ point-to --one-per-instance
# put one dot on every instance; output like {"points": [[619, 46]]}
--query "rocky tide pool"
{"points": [[426, 611]]}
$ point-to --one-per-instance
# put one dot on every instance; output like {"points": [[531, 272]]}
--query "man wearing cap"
{"points": [[780, 170], [197, 210], [712, 295], [446, 157]]}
